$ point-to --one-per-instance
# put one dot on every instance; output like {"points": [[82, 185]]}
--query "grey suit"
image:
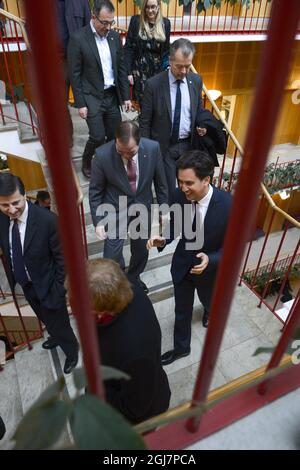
{"points": [[87, 80], [156, 120], [109, 181]]}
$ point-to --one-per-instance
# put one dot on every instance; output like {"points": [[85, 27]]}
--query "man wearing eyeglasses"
{"points": [[99, 78]]}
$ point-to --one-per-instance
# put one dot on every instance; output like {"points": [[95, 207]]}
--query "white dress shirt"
{"points": [[185, 113], [136, 162], [105, 57], [202, 207], [22, 224]]}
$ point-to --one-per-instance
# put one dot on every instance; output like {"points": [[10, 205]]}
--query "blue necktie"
{"points": [[17, 256], [176, 120]]}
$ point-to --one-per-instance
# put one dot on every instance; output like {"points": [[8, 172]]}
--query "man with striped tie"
{"points": [[122, 175]]}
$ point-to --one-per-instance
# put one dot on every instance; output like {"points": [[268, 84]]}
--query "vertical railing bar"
{"points": [[49, 80], [232, 169], [263, 247], [275, 60], [264, 293], [286, 276]]}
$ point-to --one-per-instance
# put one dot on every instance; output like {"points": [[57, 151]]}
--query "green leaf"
{"points": [[108, 373], [97, 426], [262, 351], [42, 426], [51, 393]]}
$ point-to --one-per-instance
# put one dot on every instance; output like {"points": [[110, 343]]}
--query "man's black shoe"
{"points": [[70, 364], [205, 319], [51, 343], [171, 356]]}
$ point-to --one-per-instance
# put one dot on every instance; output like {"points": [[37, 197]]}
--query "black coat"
{"points": [[215, 140], [132, 343], [133, 46], [74, 15], [42, 255], [85, 69]]}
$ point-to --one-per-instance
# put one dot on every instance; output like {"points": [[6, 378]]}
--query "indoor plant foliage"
{"points": [[94, 424]]}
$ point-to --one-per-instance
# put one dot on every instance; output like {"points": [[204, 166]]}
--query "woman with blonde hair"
{"points": [[129, 340], [147, 46]]}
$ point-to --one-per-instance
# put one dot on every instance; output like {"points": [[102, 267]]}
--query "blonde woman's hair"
{"points": [[158, 32], [109, 287]]}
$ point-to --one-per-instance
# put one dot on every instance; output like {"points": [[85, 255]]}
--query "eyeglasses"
{"points": [[106, 23], [151, 7]]}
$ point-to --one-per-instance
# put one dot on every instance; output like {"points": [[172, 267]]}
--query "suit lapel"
{"points": [[143, 162], [166, 94], [92, 43], [210, 217], [120, 169], [5, 238], [112, 48], [193, 97], [31, 226]]}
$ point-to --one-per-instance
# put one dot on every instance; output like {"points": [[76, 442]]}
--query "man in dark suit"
{"points": [[205, 209], [126, 168], [98, 77], [72, 15], [30, 244], [170, 105]]}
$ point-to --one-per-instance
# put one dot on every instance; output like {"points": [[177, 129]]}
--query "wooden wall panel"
{"points": [[30, 172]]}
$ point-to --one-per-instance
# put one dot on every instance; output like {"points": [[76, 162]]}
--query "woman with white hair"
{"points": [[147, 46]]}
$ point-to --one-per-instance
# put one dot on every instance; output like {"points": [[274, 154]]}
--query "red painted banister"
{"points": [[275, 61], [49, 89]]}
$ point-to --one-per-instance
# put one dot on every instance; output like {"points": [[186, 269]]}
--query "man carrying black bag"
{"points": [[215, 139]]}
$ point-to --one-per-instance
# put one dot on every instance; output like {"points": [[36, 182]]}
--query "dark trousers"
{"points": [[102, 120], [57, 322], [170, 158], [113, 247], [184, 301]]}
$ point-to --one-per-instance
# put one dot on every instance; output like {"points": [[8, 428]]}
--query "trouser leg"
{"points": [[184, 302]]}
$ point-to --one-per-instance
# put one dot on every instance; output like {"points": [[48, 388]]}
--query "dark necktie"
{"points": [[195, 213], [176, 120], [17, 256], [131, 172]]}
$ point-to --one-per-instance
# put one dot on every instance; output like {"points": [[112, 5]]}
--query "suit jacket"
{"points": [[215, 225], [109, 178], [156, 115], [85, 69], [133, 46], [42, 255], [73, 14], [132, 343]]}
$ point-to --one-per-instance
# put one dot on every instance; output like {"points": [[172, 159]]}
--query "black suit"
{"points": [[109, 181], [87, 80], [44, 262], [156, 120], [215, 224], [132, 343]]}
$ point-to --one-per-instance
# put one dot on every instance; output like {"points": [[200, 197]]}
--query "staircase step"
{"points": [[35, 373], [10, 402]]}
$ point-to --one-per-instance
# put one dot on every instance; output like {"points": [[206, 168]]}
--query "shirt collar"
{"points": [[23, 217], [204, 202], [134, 158], [95, 32], [172, 79]]}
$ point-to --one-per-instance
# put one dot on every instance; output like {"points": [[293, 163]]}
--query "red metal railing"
{"points": [[275, 61], [14, 51], [229, 19]]}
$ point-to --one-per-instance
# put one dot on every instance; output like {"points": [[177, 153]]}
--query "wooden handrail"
{"points": [[241, 150], [20, 22]]}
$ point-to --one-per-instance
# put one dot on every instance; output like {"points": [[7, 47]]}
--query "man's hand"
{"points": [[199, 268], [130, 79], [156, 241], [100, 232], [83, 112], [201, 131], [127, 105]]}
